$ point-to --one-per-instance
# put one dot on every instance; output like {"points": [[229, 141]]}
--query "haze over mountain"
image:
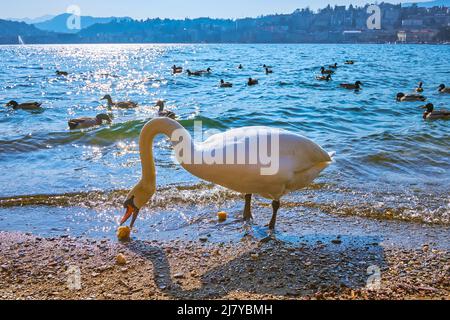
{"points": [[28, 10], [32, 20], [11, 30], [59, 23]]}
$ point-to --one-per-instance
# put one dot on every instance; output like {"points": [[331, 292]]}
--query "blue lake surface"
{"points": [[389, 163]]}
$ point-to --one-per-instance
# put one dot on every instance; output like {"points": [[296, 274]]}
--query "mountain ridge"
{"points": [[59, 23], [339, 24], [29, 34]]}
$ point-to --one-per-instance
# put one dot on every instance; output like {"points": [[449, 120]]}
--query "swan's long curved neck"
{"points": [[171, 129]]}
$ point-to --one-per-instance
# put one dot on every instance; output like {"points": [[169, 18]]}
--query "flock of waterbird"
{"points": [[301, 160], [429, 114], [325, 75]]}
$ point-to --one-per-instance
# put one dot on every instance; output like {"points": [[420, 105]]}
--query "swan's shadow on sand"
{"points": [[289, 267]]}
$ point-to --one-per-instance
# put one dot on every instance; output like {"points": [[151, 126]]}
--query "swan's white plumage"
{"points": [[300, 162], [300, 159]]}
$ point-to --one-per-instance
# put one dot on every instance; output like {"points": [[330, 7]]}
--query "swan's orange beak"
{"points": [[131, 210]]}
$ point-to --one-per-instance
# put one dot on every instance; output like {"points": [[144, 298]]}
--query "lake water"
{"points": [[390, 163]]}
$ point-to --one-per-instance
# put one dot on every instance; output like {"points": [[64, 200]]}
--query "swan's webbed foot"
{"points": [[275, 207], [247, 210]]}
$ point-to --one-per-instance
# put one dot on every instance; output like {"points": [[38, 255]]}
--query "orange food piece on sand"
{"points": [[222, 216], [123, 233]]}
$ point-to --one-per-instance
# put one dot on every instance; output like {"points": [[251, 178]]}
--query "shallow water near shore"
{"points": [[390, 172]]}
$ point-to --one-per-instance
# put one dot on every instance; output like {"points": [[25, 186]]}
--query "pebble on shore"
{"points": [[247, 270], [121, 260]]}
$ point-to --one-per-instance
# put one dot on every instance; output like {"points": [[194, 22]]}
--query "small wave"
{"points": [[100, 136], [206, 123], [166, 196], [329, 199]]}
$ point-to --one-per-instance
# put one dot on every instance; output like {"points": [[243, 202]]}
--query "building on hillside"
{"points": [[416, 36]]}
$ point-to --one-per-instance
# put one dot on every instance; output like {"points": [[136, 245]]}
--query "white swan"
{"points": [[300, 161]]}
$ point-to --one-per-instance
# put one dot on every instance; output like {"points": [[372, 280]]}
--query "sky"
{"points": [[178, 9]]}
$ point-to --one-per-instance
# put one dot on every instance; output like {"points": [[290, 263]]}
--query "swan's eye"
{"points": [[129, 202]]}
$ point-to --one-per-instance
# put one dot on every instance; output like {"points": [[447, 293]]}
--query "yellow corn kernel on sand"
{"points": [[222, 216], [123, 233]]}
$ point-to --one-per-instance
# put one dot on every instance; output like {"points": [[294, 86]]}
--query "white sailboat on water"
{"points": [[20, 40]]}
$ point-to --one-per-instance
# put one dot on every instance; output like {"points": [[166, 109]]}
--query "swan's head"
{"points": [[138, 197]]}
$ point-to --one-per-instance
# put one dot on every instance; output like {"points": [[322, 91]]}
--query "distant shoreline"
{"points": [[221, 43]]}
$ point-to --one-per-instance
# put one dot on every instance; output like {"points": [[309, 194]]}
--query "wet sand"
{"points": [[37, 268]]}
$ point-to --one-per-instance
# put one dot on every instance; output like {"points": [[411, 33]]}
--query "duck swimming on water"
{"points": [[84, 123], [401, 97], [333, 66], [252, 82], [325, 71], [324, 78], [62, 73], [24, 106], [356, 86], [420, 87], [120, 104], [224, 84], [443, 89], [431, 114], [199, 73], [164, 113], [176, 69]]}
